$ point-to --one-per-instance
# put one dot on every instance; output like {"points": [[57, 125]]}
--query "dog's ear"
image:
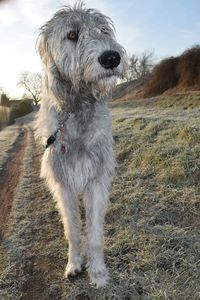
{"points": [[59, 88], [43, 50], [53, 80], [41, 46]]}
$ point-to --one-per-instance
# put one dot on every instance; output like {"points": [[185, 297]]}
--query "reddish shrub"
{"points": [[189, 68], [164, 76], [180, 72]]}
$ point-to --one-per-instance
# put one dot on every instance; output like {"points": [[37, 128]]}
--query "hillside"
{"points": [[133, 88], [171, 76]]}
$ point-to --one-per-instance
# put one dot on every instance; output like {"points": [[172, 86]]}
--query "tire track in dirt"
{"points": [[42, 270], [28, 267], [9, 177], [31, 269]]}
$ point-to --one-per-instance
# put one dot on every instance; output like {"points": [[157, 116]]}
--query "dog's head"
{"points": [[78, 47]]}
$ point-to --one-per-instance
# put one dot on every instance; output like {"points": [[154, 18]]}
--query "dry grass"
{"points": [[8, 136], [158, 187], [152, 224], [185, 100]]}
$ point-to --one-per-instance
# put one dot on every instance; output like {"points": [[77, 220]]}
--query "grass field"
{"points": [[153, 222]]}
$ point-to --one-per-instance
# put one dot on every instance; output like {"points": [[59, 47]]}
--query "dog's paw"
{"points": [[99, 277], [72, 270]]}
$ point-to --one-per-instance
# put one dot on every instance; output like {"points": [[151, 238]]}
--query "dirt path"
{"points": [[29, 268], [9, 177], [42, 270]]}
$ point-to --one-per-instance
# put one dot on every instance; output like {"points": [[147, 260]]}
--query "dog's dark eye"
{"points": [[72, 36], [104, 31]]}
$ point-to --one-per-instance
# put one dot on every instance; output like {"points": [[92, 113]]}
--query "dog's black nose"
{"points": [[109, 59]]}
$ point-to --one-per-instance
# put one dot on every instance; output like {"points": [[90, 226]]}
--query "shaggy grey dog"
{"points": [[82, 61]]}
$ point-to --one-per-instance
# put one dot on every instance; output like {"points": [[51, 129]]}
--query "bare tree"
{"points": [[2, 90], [146, 63], [140, 66], [4, 100], [133, 67], [31, 82]]}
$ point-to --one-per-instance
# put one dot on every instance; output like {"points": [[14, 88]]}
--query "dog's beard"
{"points": [[106, 84], [93, 77]]}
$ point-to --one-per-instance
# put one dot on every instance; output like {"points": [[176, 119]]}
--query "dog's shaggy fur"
{"points": [[81, 61]]}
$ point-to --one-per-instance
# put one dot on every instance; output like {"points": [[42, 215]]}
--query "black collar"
{"points": [[50, 140]]}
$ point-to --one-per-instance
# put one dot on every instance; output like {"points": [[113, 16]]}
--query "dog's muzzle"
{"points": [[109, 59]]}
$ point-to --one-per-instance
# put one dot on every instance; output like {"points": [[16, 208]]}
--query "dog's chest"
{"points": [[88, 152], [84, 129]]}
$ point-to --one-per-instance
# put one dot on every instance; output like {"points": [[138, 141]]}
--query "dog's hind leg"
{"points": [[96, 199], [68, 206]]}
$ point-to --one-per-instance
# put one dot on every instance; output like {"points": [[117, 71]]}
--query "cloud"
{"points": [[29, 11], [188, 34], [36, 12], [7, 16]]}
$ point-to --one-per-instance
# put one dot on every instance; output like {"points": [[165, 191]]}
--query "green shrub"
{"points": [[21, 108], [5, 116]]}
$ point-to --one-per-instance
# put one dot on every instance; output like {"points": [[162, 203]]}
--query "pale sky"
{"points": [[167, 27]]}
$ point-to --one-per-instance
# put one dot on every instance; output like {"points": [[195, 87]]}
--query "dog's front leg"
{"points": [[68, 206], [96, 199]]}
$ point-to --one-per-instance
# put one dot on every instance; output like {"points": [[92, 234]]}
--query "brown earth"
{"points": [[9, 177]]}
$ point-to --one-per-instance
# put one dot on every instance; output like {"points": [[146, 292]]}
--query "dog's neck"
{"points": [[77, 102], [68, 98]]}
